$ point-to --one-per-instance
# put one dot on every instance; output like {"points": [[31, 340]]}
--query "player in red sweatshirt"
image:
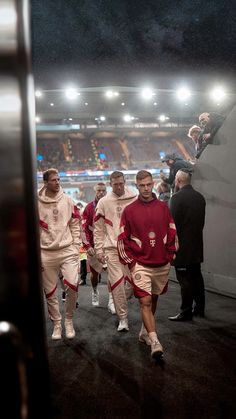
{"points": [[147, 244], [96, 267]]}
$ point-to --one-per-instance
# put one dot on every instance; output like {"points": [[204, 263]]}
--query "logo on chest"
{"points": [[119, 211], [152, 238], [55, 213]]}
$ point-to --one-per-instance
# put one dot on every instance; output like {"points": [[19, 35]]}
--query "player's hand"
{"points": [[101, 258], [91, 251], [206, 137]]}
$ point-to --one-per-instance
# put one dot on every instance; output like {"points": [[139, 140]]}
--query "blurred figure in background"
{"points": [[175, 163], [95, 265]]}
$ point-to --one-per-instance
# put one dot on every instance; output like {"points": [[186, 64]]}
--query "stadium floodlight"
{"points": [[218, 94], [71, 93], [147, 93], [163, 118], [128, 118], [38, 93], [183, 93], [111, 94], [37, 119]]}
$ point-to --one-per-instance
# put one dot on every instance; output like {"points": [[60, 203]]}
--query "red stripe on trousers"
{"points": [[51, 293], [43, 224], [117, 283], [73, 287]]}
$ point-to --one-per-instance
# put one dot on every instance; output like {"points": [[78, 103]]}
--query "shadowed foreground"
{"points": [[102, 373]]}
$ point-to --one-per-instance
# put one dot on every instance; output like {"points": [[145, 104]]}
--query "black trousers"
{"points": [[192, 289], [83, 270]]}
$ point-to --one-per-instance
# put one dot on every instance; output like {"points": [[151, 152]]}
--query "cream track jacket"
{"points": [[59, 220], [107, 219]]}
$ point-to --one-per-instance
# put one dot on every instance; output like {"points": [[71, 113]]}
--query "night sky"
{"points": [[126, 41]]}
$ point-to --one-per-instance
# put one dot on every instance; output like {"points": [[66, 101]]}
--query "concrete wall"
{"points": [[215, 178]]}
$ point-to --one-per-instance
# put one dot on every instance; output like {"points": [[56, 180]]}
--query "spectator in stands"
{"points": [[106, 230], [175, 163], [188, 210], [194, 134], [147, 243], [210, 123], [96, 267], [60, 237]]}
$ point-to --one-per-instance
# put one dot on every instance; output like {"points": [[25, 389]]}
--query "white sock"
{"points": [[143, 330], [153, 337]]}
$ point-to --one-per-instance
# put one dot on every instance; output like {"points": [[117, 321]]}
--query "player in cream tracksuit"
{"points": [[60, 239], [106, 230]]}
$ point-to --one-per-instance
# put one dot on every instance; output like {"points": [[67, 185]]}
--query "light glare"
{"points": [[147, 93], [110, 94], [38, 93], [72, 93], [183, 93], [163, 118], [128, 118], [218, 94]]}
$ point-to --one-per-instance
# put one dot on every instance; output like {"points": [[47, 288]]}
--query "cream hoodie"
{"points": [[59, 220], [107, 219]]}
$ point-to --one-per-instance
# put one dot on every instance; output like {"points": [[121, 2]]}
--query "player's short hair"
{"points": [[142, 174], [48, 172]]}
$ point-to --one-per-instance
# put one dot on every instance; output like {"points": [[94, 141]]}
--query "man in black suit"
{"points": [[188, 210]]}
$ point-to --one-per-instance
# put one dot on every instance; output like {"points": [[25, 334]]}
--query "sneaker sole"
{"points": [[123, 330], [56, 338], [70, 336], [157, 355]]}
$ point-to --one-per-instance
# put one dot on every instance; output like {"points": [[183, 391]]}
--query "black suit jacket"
{"points": [[188, 210]]}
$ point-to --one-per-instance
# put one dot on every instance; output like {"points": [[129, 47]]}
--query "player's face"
{"points": [[145, 187], [100, 192], [53, 183], [118, 186]]}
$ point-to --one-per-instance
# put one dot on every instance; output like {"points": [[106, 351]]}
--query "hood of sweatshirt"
{"points": [[47, 199], [129, 194]]}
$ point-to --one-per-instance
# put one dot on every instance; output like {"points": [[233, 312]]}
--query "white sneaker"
{"points": [[56, 334], [111, 306], [144, 338], [95, 298], [70, 331], [123, 325], [156, 350]]}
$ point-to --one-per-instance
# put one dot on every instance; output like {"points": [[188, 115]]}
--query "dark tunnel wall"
{"points": [[215, 178]]}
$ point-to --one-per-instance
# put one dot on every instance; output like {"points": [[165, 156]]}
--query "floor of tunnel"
{"points": [[103, 373]]}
